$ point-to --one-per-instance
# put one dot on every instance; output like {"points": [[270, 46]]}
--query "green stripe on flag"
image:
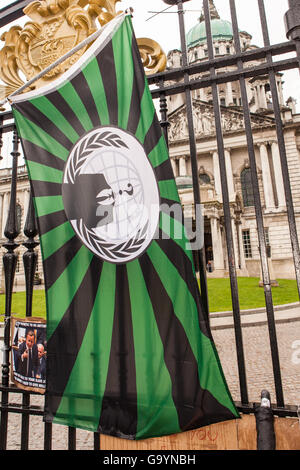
{"points": [[168, 190], [176, 231], [159, 154], [51, 112], [41, 172], [122, 43], [65, 288], [70, 95], [156, 409], [211, 378], [37, 136], [56, 238], [48, 204], [90, 369], [94, 79], [147, 114]]}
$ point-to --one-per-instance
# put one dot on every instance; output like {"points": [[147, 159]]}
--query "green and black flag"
{"points": [[129, 352]]}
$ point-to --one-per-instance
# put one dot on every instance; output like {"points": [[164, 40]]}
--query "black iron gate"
{"points": [[172, 82]]}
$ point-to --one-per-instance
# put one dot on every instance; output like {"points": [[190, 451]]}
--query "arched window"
{"points": [[19, 217], [247, 188], [204, 179]]}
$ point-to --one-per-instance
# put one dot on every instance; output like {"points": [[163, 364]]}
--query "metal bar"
{"points": [[71, 438], [193, 155], [9, 261], [164, 114], [282, 151], [30, 256], [221, 62], [227, 218], [97, 442], [25, 421], [259, 215], [48, 436]]}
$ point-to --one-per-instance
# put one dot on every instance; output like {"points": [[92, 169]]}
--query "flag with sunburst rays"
{"points": [[129, 350]]}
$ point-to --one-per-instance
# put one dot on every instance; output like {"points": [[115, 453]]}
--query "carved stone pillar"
{"points": [[182, 166], [217, 244], [278, 175], [229, 96], [229, 174], [266, 174], [217, 176], [4, 212]]}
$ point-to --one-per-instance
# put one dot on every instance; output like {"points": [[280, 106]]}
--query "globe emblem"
{"points": [[110, 194], [124, 180]]}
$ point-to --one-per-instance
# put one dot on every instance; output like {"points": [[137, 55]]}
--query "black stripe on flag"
{"points": [[55, 264], [164, 171], [64, 344], [61, 104], [83, 90], [45, 188], [185, 268], [50, 221], [153, 135], [34, 115], [119, 405], [195, 406], [108, 72], [37, 154]]}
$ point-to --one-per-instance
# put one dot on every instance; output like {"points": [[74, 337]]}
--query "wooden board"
{"points": [[237, 434]]}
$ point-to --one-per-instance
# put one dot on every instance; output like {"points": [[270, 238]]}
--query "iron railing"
{"points": [[172, 82]]}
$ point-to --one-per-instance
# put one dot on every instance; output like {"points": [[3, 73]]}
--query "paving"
{"points": [[258, 361]]}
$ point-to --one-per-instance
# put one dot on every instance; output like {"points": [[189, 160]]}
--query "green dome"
{"points": [[221, 29]]}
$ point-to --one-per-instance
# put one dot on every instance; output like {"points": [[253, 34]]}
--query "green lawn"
{"points": [[250, 295]]}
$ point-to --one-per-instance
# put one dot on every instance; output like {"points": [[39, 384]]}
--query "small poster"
{"points": [[29, 353]]}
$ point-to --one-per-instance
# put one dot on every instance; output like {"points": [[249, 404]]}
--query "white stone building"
{"points": [[237, 159]]}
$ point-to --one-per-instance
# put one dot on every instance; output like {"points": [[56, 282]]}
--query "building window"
{"points": [[247, 188], [247, 244], [206, 52], [222, 102], [228, 50], [217, 50], [19, 217], [18, 263], [204, 179]]}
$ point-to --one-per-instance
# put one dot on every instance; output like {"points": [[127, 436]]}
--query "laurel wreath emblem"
{"points": [[114, 252]]}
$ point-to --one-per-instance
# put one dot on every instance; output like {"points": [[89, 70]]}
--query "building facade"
{"points": [[237, 160]]}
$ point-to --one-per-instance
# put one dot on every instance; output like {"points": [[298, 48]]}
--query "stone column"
{"points": [[5, 211], [278, 175], [182, 166], [229, 174], [202, 94], [1, 208], [217, 177], [217, 244], [266, 174], [263, 98], [235, 243], [173, 163], [229, 96]]}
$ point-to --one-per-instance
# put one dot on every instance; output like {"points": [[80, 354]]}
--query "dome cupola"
{"points": [[221, 29]]}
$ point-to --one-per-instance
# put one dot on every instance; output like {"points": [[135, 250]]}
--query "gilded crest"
{"points": [[56, 27]]}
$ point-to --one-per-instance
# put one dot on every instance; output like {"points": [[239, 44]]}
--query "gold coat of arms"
{"points": [[56, 27]]}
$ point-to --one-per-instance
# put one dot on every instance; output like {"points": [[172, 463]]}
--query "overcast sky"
{"points": [[164, 27]]}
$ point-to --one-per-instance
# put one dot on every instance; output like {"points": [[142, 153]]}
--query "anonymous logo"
{"points": [[110, 194]]}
